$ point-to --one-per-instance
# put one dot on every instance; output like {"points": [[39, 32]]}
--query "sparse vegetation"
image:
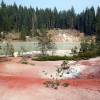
{"points": [[55, 58], [65, 84], [24, 62], [74, 50], [56, 82], [9, 50], [89, 50], [24, 55], [45, 43]]}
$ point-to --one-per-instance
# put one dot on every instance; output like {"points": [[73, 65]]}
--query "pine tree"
{"points": [[45, 43], [86, 21], [15, 16], [98, 26], [1, 20], [23, 34], [55, 13]]}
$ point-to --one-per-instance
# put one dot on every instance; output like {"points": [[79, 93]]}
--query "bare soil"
{"points": [[25, 81], [58, 35]]}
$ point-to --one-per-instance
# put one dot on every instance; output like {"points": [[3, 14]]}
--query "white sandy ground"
{"points": [[73, 72], [44, 70], [57, 52]]}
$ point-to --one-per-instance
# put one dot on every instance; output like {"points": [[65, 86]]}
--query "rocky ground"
{"points": [[25, 81]]}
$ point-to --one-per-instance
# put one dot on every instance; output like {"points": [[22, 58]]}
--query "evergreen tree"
{"points": [[63, 19], [98, 26], [45, 42], [86, 21], [92, 20], [1, 20], [13, 17], [23, 34], [55, 13], [72, 17], [69, 19]]}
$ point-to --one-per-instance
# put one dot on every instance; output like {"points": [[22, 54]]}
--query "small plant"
{"points": [[65, 84], [19, 54], [0, 47], [65, 65], [24, 56], [9, 50], [74, 50], [64, 69], [24, 62], [33, 64]]}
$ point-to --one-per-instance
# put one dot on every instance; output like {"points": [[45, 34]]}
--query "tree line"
{"points": [[30, 19]]}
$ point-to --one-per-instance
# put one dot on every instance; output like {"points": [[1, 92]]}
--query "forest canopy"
{"points": [[16, 17]]}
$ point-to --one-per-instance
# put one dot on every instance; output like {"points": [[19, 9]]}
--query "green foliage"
{"points": [[12, 16], [0, 47], [89, 54], [56, 82], [82, 55], [7, 23], [88, 46], [24, 62], [15, 39], [65, 84], [23, 50], [98, 26], [9, 49], [24, 55], [89, 50], [65, 65], [45, 43], [55, 58], [19, 53], [23, 34], [74, 50]]}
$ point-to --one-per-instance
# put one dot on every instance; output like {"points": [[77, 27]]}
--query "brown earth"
{"points": [[58, 35], [25, 82]]}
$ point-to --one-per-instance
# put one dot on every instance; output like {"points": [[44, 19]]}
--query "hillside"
{"points": [[58, 35], [66, 35]]}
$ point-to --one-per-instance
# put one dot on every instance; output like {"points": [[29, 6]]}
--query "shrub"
{"points": [[65, 84], [83, 55], [15, 39], [24, 62], [89, 54], [55, 58]]}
